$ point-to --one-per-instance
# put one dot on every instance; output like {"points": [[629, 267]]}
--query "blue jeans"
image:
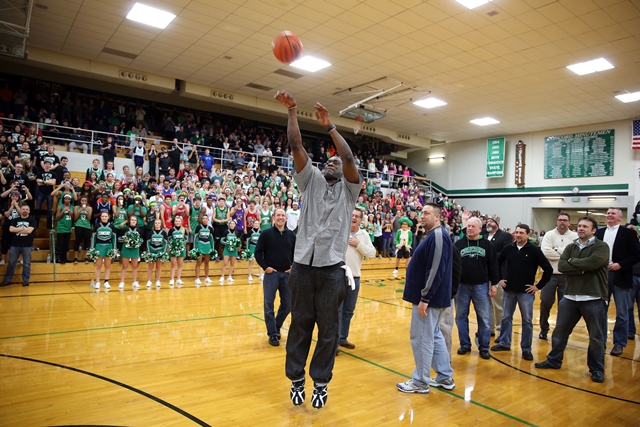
{"points": [[348, 306], [525, 303], [635, 300], [316, 294], [40, 199], [386, 244], [557, 284], [622, 298], [479, 295], [14, 252], [428, 345], [278, 281], [569, 314]]}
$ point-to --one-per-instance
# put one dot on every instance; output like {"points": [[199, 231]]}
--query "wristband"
{"points": [[330, 128], [294, 107]]}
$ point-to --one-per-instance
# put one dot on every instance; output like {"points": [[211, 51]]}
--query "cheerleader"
{"points": [[103, 241], [156, 246], [177, 243], [231, 244], [203, 244], [252, 241], [132, 240], [120, 219]]}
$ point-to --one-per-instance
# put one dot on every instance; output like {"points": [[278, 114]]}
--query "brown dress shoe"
{"points": [[616, 350]]}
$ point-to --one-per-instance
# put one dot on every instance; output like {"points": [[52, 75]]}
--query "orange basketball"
{"points": [[287, 47]]}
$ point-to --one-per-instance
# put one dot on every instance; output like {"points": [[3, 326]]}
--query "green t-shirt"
{"points": [[65, 221], [83, 219]]}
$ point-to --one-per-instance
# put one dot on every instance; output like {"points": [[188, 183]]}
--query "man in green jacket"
{"points": [[585, 262]]}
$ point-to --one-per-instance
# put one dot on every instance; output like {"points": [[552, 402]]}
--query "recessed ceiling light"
{"points": [[484, 121], [150, 16], [471, 4], [310, 63], [629, 97], [589, 67], [429, 103]]}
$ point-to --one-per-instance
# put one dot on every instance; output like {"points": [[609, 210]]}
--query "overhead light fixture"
{"points": [[484, 121], [589, 67], [629, 97], [602, 199], [310, 63], [429, 103], [552, 199], [471, 4], [434, 158], [150, 16]]}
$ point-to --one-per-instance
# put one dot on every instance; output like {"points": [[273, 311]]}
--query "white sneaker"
{"points": [[106, 284], [230, 279], [158, 284], [171, 283], [250, 279], [2, 262], [95, 285], [221, 280], [121, 286], [395, 271], [135, 285], [208, 281], [179, 282], [198, 282], [262, 277], [149, 284]]}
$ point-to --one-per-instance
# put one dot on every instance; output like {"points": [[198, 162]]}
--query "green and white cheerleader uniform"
{"points": [[253, 241], [231, 244], [179, 236], [130, 251], [204, 239], [104, 239], [157, 242]]}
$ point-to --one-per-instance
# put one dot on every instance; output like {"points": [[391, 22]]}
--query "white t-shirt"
{"points": [[293, 216]]}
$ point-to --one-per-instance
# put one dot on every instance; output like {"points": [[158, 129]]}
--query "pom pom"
{"points": [[194, 253], [247, 255], [92, 254], [176, 246], [113, 254], [132, 239]]}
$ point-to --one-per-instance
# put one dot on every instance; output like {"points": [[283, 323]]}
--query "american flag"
{"points": [[635, 141]]}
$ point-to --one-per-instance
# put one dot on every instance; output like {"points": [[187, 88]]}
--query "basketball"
{"points": [[287, 47]]}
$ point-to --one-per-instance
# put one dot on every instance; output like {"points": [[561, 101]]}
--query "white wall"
{"points": [[79, 162]]}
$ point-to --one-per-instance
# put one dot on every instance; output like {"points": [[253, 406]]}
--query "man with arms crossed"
{"points": [[317, 280], [428, 289], [360, 247], [585, 262], [553, 244]]}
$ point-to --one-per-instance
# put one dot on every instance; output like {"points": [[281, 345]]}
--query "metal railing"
{"points": [[63, 134]]}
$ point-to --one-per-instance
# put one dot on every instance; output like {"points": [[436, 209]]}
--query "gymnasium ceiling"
{"points": [[505, 59]]}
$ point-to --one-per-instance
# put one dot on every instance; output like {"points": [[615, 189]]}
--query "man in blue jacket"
{"points": [[428, 288]]}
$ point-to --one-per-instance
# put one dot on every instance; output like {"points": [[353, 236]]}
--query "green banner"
{"points": [[495, 157], [579, 155]]}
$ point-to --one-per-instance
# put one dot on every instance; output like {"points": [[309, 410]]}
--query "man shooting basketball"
{"points": [[317, 280]]}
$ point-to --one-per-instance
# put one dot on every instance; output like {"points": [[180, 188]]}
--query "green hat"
{"points": [[138, 197], [406, 221], [126, 190]]}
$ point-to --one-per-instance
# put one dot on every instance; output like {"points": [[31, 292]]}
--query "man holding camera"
{"points": [[22, 228]]}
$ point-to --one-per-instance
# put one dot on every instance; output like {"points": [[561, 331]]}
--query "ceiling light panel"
{"points": [[485, 121], [150, 16], [589, 67]]}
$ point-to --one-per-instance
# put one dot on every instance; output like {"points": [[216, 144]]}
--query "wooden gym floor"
{"points": [[200, 356]]}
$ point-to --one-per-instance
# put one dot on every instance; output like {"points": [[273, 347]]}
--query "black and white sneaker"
{"points": [[297, 392], [319, 398]]}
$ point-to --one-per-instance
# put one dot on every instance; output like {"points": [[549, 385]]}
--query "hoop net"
{"points": [[357, 126]]}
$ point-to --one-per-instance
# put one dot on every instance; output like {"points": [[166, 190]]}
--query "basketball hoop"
{"points": [[357, 126]]}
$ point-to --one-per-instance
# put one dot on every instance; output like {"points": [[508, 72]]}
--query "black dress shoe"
{"points": [[616, 350], [631, 337], [500, 347], [25, 283], [3, 284], [464, 350], [543, 334], [273, 340], [597, 377], [485, 354], [546, 365], [526, 355], [347, 344]]}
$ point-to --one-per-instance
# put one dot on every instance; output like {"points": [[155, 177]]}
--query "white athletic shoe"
{"points": [[179, 282], [230, 279], [107, 285], [121, 286], [250, 279], [395, 272], [95, 285], [262, 277], [198, 282], [208, 281], [221, 280], [149, 284], [135, 286], [158, 284], [171, 282]]}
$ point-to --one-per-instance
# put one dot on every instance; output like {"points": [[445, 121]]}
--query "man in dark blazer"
{"points": [[624, 253]]}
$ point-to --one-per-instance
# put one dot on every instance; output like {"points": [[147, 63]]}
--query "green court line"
{"points": [[124, 326], [489, 408]]}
